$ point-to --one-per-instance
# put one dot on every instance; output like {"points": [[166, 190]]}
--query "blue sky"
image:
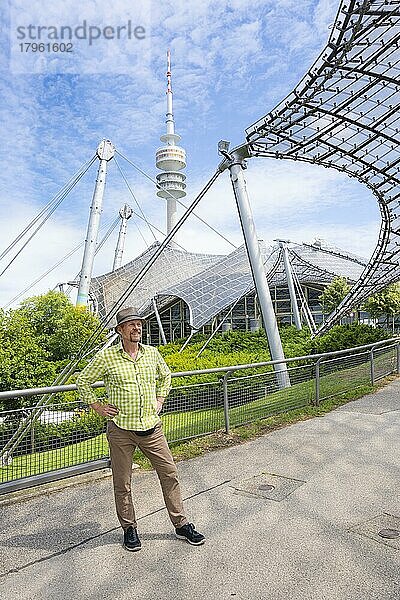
{"points": [[232, 62]]}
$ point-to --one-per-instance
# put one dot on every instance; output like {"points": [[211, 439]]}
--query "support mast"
{"points": [[236, 164], [105, 152], [290, 282], [125, 212]]}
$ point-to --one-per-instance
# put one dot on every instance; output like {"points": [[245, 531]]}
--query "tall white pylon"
{"points": [[125, 212], [236, 164], [170, 159], [105, 152]]}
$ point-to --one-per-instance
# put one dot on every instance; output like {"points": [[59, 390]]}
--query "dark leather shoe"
{"points": [[131, 539]]}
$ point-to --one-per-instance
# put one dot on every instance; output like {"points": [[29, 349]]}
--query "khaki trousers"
{"points": [[123, 443]]}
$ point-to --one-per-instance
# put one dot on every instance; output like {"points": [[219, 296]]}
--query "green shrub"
{"points": [[241, 347], [341, 337]]}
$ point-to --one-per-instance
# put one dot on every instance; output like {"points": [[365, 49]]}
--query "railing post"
{"points": [[32, 438], [372, 367], [398, 357], [226, 401], [317, 382]]}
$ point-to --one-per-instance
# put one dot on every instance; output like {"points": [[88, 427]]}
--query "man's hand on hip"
{"points": [[160, 402], [105, 410]]}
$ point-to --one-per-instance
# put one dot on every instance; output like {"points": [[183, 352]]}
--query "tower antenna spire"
{"points": [[170, 115], [169, 87]]}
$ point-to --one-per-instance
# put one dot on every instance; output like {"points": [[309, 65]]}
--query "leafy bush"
{"points": [[237, 347], [227, 349], [341, 337]]}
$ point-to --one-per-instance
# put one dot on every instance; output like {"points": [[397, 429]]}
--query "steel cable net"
{"points": [[317, 263], [209, 284], [344, 114], [173, 265], [216, 288]]}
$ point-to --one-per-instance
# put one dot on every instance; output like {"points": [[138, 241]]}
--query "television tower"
{"points": [[170, 159]]}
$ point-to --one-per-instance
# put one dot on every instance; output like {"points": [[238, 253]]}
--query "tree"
{"points": [[38, 339], [333, 294], [23, 363], [386, 302], [59, 327]]}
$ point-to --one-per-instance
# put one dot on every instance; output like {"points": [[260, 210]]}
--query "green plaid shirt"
{"points": [[131, 385]]}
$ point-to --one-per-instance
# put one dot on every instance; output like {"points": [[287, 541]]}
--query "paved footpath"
{"points": [[314, 535]]}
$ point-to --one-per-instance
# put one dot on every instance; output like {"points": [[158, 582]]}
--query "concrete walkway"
{"points": [[314, 536]]}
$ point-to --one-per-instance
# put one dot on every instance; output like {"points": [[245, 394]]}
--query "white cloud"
{"points": [[292, 191], [324, 14], [91, 50], [43, 251], [289, 200]]}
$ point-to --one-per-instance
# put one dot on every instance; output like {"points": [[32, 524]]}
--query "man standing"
{"points": [[137, 380]]}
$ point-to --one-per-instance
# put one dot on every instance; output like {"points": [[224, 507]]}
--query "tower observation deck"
{"points": [[170, 159]]}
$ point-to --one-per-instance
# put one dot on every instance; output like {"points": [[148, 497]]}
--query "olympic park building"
{"points": [[188, 292]]}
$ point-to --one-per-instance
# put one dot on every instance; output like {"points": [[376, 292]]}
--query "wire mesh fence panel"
{"points": [[385, 362], [340, 375], [258, 396], [36, 441], [55, 438], [193, 410]]}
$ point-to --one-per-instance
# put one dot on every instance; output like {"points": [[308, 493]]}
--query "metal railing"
{"points": [[41, 444]]}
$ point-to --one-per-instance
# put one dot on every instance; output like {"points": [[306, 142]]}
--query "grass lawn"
{"points": [[41, 462]]}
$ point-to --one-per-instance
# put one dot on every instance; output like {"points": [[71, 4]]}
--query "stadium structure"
{"points": [[186, 292], [344, 114]]}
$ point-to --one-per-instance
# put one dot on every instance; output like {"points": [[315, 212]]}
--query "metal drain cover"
{"points": [[390, 534], [383, 528], [267, 486]]}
